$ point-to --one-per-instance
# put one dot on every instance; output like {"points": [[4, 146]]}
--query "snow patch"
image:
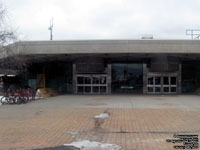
{"points": [[102, 115], [38, 94], [88, 145], [73, 133], [0, 100]]}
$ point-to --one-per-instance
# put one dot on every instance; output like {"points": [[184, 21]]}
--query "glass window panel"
{"points": [[173, 89], [173, 80], [157, 89], [80, 80], [80, 89], [157, 80], [127, 75], [102, 80], [166, 80], [95, 89], [87, 80], [150, 80], [150, 89], [87, 89], [103, 89], [166, 89], [95, 80]]}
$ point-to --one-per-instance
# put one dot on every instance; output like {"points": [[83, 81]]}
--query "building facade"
{"points": [[113, 66]]}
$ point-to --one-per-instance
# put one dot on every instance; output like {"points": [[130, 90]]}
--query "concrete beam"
{"points": [[108, 46]]}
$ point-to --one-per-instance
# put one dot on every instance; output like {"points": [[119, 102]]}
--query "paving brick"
{"points": [[139, 129]]}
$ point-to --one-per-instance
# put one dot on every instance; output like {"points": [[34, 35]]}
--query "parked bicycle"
{"points": [[19, 96], [5, 99]]}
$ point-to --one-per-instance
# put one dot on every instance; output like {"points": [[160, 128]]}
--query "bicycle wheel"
{"points": [[4, 100], [18, 100], [24, 99], [11, 100]]}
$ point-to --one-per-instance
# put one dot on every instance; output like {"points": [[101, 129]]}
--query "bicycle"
{"points": [[19, 96], [11, 98], [4, 100]]}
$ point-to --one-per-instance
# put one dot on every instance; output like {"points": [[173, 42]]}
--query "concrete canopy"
{"points": [[106, 46]]}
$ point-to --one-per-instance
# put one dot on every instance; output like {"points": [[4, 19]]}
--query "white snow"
{"points": [[38, 94], [102, 115], [88, 145], [73, 133], [0, 99]]}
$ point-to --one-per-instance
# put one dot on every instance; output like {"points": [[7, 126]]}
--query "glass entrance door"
{"points": [[91, 84], [169, 84], [166, 84], [154, 84]]}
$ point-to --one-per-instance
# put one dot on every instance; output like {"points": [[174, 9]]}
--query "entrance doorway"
{"points": [[165, 84], [127, 78], [91, 84]]}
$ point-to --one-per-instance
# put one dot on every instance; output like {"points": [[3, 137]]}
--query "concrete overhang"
{"points": [[106, 46]]}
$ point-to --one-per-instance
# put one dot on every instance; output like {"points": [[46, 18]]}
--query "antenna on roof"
{"points": [[51, 29], [194, 33]]}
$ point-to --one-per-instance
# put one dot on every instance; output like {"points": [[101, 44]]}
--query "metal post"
{"points": [[109, 78], [74, 79], [145, 71]]}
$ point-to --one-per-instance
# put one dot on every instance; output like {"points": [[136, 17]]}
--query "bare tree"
{"points": [[10, 61], [7, 36]]}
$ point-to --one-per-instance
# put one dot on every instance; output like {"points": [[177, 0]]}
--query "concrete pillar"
{"points": [[74, 78], [145, 72], [109, 78], [179, 88]]}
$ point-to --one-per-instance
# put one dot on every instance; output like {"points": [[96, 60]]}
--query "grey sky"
{"points": [[103, 19]]}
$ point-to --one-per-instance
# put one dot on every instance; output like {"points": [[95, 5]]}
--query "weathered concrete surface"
{"points": [[135, 122], [115, 101], [107, 46]]}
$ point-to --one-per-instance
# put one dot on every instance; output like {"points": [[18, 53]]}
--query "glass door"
{"points": [[173, 84], [91, 84], [154, 84], [157, 83], [169, 84], [165, 84]]}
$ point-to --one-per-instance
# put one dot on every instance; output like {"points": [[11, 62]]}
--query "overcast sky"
{"points": [[103, 19]]}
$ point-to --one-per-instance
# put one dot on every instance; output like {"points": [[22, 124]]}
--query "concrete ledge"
{"points": [[107, 46]]}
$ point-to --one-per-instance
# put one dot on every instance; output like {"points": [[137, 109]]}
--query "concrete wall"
{"points": [[90, 64], [162, 63]]}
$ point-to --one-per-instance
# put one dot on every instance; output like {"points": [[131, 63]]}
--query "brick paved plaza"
{"points": [[54, 122]]}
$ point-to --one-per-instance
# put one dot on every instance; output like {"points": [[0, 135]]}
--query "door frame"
{"points": [[162, 85]]}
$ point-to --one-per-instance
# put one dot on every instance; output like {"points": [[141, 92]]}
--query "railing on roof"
{"points": [[194, 33]]}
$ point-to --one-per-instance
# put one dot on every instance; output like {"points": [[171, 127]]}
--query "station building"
{"points": [[112, 66]]}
